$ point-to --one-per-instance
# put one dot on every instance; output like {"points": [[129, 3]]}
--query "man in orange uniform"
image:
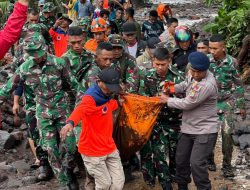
{"points": [[59, 34], [98, 28], [96, 145]]}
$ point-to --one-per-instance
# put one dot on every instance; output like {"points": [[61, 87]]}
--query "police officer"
{"points": [[200, 125]]}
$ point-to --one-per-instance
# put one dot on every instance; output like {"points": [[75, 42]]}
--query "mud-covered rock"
{"points": [[3, 177], [28, 180], [21, 166], [7, 141]]}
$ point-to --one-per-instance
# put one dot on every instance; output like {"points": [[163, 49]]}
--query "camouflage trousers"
{"points": [[33, 133], [226, 117], [161, 144], [60, 153], [77, 132], [227, 140]]}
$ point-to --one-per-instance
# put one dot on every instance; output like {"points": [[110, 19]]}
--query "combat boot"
{"points": [[182, 187], [212, 167], [45, 171], [211, 164]]}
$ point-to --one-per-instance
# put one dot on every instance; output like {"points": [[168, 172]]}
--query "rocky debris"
{"points": [[6, 127], [8, 168], [28, 180], [18, 135], [7, 141], [14, 183], [22, 166], [23, 126], [3, 177]]}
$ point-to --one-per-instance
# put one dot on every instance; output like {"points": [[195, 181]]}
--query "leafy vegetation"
{"points": [[4, 4], [233, 21]]}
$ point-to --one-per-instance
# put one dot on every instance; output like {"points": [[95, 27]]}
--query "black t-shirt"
{"points": [[113, 26], [181, 57], [152, 29]]}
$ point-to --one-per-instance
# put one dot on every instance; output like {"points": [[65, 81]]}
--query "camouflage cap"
{"points": [[167, 45], [34, 44], [116, 40], [34, 28], [84, 23], [49, 7]]}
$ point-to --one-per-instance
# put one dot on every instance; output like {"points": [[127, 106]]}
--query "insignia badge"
{"points": [[104, 110], [194, 89]]}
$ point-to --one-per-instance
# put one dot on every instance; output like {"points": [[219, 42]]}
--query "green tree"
{"points": [[233, 21]]}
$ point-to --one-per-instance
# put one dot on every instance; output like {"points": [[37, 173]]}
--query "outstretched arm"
{"points": [[11, 32]]}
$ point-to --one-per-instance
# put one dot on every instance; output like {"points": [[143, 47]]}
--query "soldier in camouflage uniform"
{"points": [[163, 139], [125, 64], [29, 106], [80, 61], [103, 59], [119, 19], [48, 76], [231, 97], [84, 24], [47, 18]]}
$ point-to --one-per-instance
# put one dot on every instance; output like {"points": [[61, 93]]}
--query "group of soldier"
{"points": [[51, 86]]}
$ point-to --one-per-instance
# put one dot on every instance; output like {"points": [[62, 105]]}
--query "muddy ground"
{"points": [[15, 172], [20, 176]]}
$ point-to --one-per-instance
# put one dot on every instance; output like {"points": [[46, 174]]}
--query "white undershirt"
{"points": [[132, 50]]}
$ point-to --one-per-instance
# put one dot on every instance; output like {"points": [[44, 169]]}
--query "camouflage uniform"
{"points": [[84, 24], [126, 66], [230, 101], [164, 137], [50, 21], [79, 65], [119, 24], [48, 81], [144, 64], [88, 80], [43, 30]]}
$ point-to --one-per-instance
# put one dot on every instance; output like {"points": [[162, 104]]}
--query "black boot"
{"points": [[45, 171], [182, 187], [211, 163], [212, 167]]}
